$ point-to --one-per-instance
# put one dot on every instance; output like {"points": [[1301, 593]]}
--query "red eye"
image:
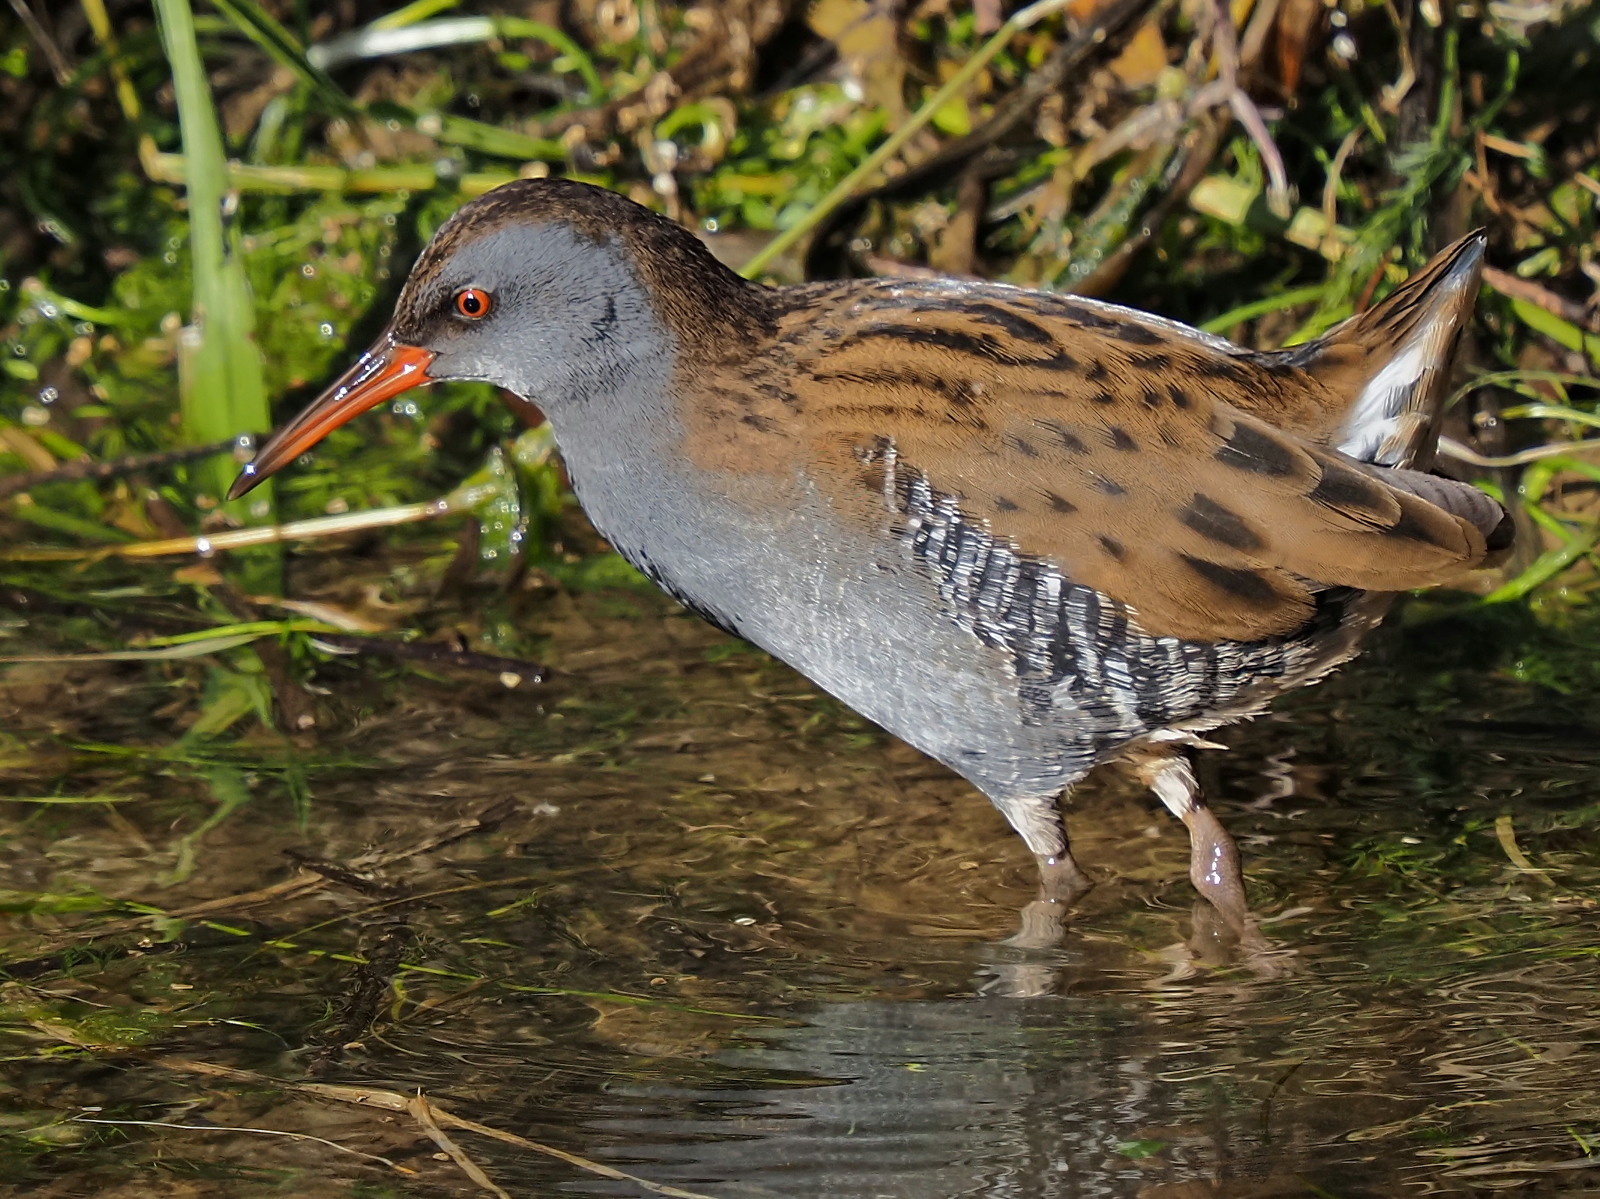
{"points": [[473, 304]]}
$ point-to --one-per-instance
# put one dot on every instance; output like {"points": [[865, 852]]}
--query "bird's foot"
{"points": [[1215, 942], [1061, 884], [1061, 879]]}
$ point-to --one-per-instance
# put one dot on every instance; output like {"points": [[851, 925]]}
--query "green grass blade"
{"points": [[221, 388], [284, 48]]}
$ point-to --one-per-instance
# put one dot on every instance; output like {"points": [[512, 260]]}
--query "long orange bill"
{"points": [[383, 372]]}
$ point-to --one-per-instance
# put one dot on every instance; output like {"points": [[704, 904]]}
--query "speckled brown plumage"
{"points": [[1194, 485]]}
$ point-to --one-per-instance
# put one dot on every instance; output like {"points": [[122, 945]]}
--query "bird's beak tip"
{"points": [[382, 373], [245, 481]]}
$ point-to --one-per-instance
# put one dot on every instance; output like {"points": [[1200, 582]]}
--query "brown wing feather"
{"points": [[1122, 454]]}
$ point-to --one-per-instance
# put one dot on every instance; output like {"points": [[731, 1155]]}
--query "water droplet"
{"points": [[48, 310], [48, 395], [83, 328], [309, 271], [325, 329], [202, 546]]}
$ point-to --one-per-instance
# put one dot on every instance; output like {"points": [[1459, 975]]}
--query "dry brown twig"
{"points": [[432, 1119], [306, 881], [420, 1110], [1225, 89], [259, 1132], [1517, 288], [74, 472], [1451, 448]]}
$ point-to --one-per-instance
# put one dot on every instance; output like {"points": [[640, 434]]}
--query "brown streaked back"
{"points": [[1164, 469]]}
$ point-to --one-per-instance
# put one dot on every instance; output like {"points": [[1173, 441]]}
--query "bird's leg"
{"points": [[1038, 821], [1061, 881], [1213, 857]]}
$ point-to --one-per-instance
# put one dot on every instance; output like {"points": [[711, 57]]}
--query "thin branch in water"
{"points": [[420, 1110], [260, 1132]]}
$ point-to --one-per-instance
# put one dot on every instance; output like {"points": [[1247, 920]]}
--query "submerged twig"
{"points": [[59, 66], [78, 472], [1505, 832], [278, 893], [260, 1132], [512, 671], [432, 1119], [423, 1112]]}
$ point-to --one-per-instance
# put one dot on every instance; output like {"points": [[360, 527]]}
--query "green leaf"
{"points": [[284, 49], [1563, 333], [221, 389]]}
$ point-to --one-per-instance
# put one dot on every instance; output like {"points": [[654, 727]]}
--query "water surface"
{"points": [[676, 913]]}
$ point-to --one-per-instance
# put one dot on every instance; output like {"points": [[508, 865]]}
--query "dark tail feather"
{"points": [[1458, 499]]}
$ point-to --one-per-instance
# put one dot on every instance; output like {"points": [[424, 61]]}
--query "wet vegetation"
{"points": [[420, 848]]}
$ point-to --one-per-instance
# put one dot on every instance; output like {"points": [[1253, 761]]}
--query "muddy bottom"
{"points": [[680, 917]]}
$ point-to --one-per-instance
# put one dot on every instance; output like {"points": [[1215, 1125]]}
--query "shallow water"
{"points": [[678, 914]]}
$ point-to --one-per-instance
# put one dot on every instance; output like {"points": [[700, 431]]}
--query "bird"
{"points": [[1026, 532]]}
